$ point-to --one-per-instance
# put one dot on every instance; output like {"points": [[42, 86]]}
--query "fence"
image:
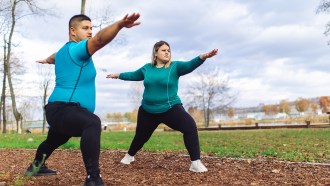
{"points": [[308, 124]]}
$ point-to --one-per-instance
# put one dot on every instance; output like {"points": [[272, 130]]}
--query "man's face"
{"points": [[82, 31]]}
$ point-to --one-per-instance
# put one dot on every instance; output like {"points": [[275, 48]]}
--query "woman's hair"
{"points": [[155, 50]]}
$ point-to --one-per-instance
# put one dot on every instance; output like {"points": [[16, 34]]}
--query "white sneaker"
{"points": [[127, 159], [197, 166]]}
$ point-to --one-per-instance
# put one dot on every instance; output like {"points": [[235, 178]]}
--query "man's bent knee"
{"points": [[96, 123]]}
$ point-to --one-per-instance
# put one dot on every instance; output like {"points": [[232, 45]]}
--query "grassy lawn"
{"points": [[308, 145]]}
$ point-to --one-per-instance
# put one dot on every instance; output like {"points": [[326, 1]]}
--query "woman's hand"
{"points": [[113, 76], [209, 54]]}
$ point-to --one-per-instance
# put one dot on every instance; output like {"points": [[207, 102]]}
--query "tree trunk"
{"points": [[3, 94], [204, 112], [83, 2], [3, 100], [44, 103], [18, 116], [208, 117]]}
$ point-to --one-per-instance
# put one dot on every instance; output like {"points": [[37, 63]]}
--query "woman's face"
{"points": [[163, 54]]}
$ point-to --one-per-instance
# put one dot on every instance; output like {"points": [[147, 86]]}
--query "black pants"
{"points": [[68, 120], [176, 118]]}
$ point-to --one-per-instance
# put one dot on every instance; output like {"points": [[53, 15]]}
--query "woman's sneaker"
{"points": [[197, 166], [94, 180], [127, 159], [35, 170]]}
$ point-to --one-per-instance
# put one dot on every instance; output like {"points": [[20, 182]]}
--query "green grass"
{"points": [[308, 145]]}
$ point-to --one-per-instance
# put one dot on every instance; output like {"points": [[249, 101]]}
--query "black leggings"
{"points": [[68, 120], [176, 118]]}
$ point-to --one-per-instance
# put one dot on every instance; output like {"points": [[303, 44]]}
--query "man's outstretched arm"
{"points": [[107, 34]]}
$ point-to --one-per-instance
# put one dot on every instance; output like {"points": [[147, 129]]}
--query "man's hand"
{"points": [[129, 20], [108, 33], [44, 61], [48, 60]]}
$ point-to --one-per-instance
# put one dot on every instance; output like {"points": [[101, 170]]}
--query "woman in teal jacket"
{"points": [[161, 103]]}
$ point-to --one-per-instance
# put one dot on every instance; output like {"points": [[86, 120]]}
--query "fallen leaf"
{"points": [[276, 171]]}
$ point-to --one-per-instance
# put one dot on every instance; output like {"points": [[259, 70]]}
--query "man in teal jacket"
{"points": [[70, 107]]}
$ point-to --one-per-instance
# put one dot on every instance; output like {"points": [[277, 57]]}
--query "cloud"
{"points": [[270, 50]]}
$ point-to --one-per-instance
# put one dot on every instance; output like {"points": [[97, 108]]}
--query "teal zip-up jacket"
{"points": [[161, 84]]}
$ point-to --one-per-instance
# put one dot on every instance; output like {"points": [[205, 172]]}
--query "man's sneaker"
{"points": [[93, 181], [197, 166], [127, 159], [34, 170]]}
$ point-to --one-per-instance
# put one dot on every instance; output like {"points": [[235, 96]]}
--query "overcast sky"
{"points": [[270, 50]]}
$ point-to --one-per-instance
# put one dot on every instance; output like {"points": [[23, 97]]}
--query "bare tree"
{"points": [[17, 70], [46, 75], [324, 7], [135, 93], [103, 16], [18, 10], [28, 108], [210, 91], [3, 93], [4, 7]]}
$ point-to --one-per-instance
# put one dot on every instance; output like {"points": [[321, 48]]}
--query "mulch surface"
{"points": [[164, 168]]}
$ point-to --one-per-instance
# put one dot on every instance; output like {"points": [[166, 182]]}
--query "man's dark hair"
{"points": [[75, 20]]}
